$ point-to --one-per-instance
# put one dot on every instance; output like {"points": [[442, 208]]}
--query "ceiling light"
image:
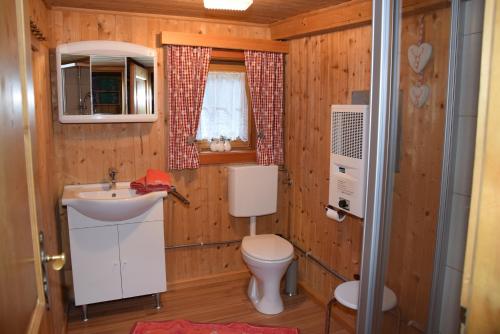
{"points": [[227, 4]]}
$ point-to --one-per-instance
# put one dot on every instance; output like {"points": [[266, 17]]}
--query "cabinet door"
{"points": [[95, 261], [142, 253]]}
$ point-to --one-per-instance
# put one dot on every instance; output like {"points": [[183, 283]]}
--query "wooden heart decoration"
{"points": [[419, 55], [419, 95]]}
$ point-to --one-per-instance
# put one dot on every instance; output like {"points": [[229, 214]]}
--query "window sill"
{"points": [[213, 158]]}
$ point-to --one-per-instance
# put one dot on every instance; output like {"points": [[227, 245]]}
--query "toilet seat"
{"points": [[267, 248]]}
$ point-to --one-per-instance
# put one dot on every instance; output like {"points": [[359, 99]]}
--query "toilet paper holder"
{"points": [[334, 214]]}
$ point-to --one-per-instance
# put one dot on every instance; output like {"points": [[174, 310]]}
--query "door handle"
{"points": [[58, 261]]}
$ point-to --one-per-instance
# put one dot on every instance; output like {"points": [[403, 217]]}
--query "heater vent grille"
{"points": [[347, 134]]}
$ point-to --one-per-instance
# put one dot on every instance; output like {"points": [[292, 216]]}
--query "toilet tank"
{"points": [[252, 190]]}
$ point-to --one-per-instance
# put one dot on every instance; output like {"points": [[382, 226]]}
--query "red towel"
{"points": [[155, 180], [139, 183]]}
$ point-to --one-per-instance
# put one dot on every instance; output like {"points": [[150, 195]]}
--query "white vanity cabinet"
{"points": [[113, 260]]}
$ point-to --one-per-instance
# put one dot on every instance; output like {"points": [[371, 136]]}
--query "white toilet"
{"points": [[253, 191]]}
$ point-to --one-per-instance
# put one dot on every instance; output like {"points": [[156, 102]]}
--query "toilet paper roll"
{"points": [[335, 215]]}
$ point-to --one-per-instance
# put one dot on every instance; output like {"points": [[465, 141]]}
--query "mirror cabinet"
{"points": [[106, 82]]}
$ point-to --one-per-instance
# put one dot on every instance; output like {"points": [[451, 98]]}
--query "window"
{"points": [[226, 109], [225, 104]]}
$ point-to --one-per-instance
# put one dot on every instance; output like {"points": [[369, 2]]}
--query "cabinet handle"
{"points": [[124, 263]]}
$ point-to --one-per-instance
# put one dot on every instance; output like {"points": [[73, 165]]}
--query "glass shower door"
{"points": [[418, 166], [409, 118]]}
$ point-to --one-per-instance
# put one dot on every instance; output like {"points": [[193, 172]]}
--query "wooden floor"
{"points": [[217, 302]]}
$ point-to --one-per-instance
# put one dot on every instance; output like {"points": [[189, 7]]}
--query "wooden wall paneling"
{"points": [[346, 15], [317, 148], [215, 194], [300, 210], [321, 70], [322, 146], [85, 151], [343, 86], [343, 16], [45, 165]]}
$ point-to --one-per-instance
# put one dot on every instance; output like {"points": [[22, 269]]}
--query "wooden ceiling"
{"points": [[262, 11]]}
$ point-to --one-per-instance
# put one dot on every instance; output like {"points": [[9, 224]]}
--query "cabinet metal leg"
{"points": [[84, 313], [157, 301]]}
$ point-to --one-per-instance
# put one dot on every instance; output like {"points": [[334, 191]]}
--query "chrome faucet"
{"points": [[112, 172]]}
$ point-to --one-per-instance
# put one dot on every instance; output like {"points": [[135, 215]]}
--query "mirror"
{"points": [[105, 82], [108, 85], [76, 77]]}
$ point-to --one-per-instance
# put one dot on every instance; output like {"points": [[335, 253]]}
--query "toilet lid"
{"points": [[268, 247]]}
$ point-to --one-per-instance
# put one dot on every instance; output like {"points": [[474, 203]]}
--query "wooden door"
{"points": [[22, 302], [95, 259], [139, 90], [142, 254]]}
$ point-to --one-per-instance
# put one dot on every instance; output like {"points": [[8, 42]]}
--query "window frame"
{"points": [[241, 151]]}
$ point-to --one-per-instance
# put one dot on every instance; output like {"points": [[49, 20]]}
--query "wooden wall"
{"points": [[85, 152], [323, 70]]}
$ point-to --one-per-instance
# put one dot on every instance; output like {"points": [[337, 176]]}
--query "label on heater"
{"points": [[345, 187]]}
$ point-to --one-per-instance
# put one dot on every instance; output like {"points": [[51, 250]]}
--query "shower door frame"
{"points": [[384, 86]]}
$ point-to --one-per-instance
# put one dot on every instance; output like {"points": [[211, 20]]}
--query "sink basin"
{"points": [[100, 202]]}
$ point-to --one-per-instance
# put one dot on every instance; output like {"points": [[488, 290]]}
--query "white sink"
{"points": [[100, 202]]}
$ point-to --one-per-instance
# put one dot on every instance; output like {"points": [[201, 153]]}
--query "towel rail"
{"points": [[204, 244], [173, 191]]}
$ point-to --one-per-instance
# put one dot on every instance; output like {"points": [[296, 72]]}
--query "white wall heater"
{"points": [[348, 158]]}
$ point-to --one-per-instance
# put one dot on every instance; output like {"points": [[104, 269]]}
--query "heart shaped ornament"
{"points": [[419, 95], [419, 55]]}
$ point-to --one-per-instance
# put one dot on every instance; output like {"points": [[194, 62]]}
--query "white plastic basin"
{"points": [[100, 202]]}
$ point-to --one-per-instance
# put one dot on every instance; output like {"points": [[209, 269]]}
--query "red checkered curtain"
{"points": [[265, 78], [187, 70]]}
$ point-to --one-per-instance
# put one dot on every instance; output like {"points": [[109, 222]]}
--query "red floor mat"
{"points": [[186, 327]]}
